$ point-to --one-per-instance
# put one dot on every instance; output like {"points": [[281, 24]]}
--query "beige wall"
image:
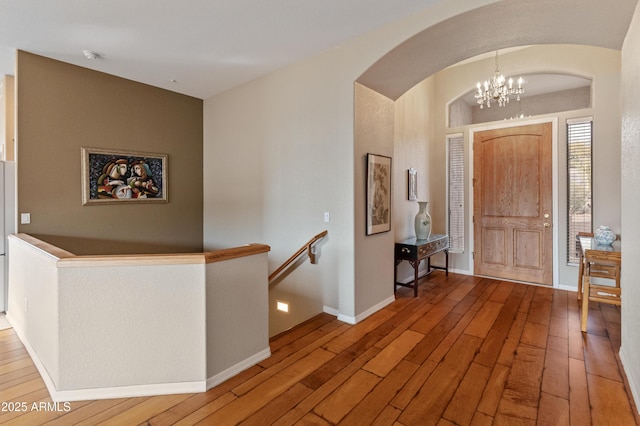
{"points": [[413, 146], [271, 171], [61, 108], [279, 152], [630, 350], [600, 64], [374, 130]]}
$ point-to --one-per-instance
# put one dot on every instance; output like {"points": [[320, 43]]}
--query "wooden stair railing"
{"points": [[309, 247]]}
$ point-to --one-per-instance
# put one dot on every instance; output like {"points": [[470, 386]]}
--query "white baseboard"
{"points": [[129, 391], [239, 367], [460, 271], [347, 318], [633, 384], [330, 311], [571, 288], [134, 390], [372, 310]]}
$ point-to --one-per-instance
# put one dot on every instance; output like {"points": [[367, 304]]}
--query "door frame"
{"points": [[554, 180]]}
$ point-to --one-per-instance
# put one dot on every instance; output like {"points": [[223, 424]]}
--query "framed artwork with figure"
{"points": [[378, 194], [113, 176]]}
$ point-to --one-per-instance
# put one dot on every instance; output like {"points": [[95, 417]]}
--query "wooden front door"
{"points": [[512, 189]]}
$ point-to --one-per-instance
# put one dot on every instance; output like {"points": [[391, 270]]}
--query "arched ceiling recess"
{"points": [[497, 26]]}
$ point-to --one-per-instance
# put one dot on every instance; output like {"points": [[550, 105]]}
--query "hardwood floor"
{"points": [[467, 351]]}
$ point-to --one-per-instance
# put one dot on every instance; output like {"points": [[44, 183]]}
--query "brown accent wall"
{"points": [[63, 107]]}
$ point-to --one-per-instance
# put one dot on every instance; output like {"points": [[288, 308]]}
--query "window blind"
{"points": [[579, 178], [455, 187]]}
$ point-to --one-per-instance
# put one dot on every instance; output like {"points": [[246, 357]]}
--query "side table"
{"points": [[414, 251]]}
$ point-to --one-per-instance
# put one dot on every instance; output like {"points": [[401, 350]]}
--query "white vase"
{"points": [[423, 222]]}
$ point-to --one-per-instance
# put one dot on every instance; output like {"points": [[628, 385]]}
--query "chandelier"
{"points": [[497, 89]]}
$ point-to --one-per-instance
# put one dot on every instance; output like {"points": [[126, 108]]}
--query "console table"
{"points": [[414, 251]]}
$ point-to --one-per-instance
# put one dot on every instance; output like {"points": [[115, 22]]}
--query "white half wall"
{"points": [[124, 326]]}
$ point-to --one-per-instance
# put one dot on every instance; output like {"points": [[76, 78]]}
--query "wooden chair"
{"points": [[600, 264], [581, 263]]}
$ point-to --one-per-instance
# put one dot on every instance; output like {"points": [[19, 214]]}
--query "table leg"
{"points": [[416, 266], [581, 266], [395, 274], [446, 263]]}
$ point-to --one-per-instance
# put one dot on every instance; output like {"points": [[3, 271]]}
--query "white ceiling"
{"points": [[206, 46]]}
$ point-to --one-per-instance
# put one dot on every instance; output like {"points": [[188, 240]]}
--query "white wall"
{"points": [[143, 307], [32, 308], [630, 349]]}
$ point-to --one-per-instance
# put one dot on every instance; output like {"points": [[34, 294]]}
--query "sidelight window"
{"points": [[579, 178], [455, 189]]}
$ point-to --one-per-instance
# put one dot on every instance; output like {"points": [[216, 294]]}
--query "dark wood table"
{"points": [[415, 251]]}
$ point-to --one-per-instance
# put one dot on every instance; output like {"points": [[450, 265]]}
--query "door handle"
{"points": [[547, 225]]}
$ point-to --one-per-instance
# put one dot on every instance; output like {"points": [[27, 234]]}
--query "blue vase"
{"points": [[604, 235]]}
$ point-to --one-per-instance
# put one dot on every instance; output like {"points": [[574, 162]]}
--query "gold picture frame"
{"points": [[115, 176]]}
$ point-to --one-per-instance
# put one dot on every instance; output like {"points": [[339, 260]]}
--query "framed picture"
{"points": [[412, 184], [378, 194], [110, 177]]}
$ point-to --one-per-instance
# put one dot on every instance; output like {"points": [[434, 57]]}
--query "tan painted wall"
{"points": [[7, 118], [61, 108]]}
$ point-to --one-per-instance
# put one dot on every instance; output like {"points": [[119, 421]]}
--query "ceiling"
{"points": [[199, 50], [497, 26], [214, 45]]}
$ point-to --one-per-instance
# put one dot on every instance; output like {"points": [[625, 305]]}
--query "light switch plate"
{"points": [[25, 218]]}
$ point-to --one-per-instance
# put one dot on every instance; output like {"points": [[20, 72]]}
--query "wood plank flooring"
{"points": [[467, 351]]}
